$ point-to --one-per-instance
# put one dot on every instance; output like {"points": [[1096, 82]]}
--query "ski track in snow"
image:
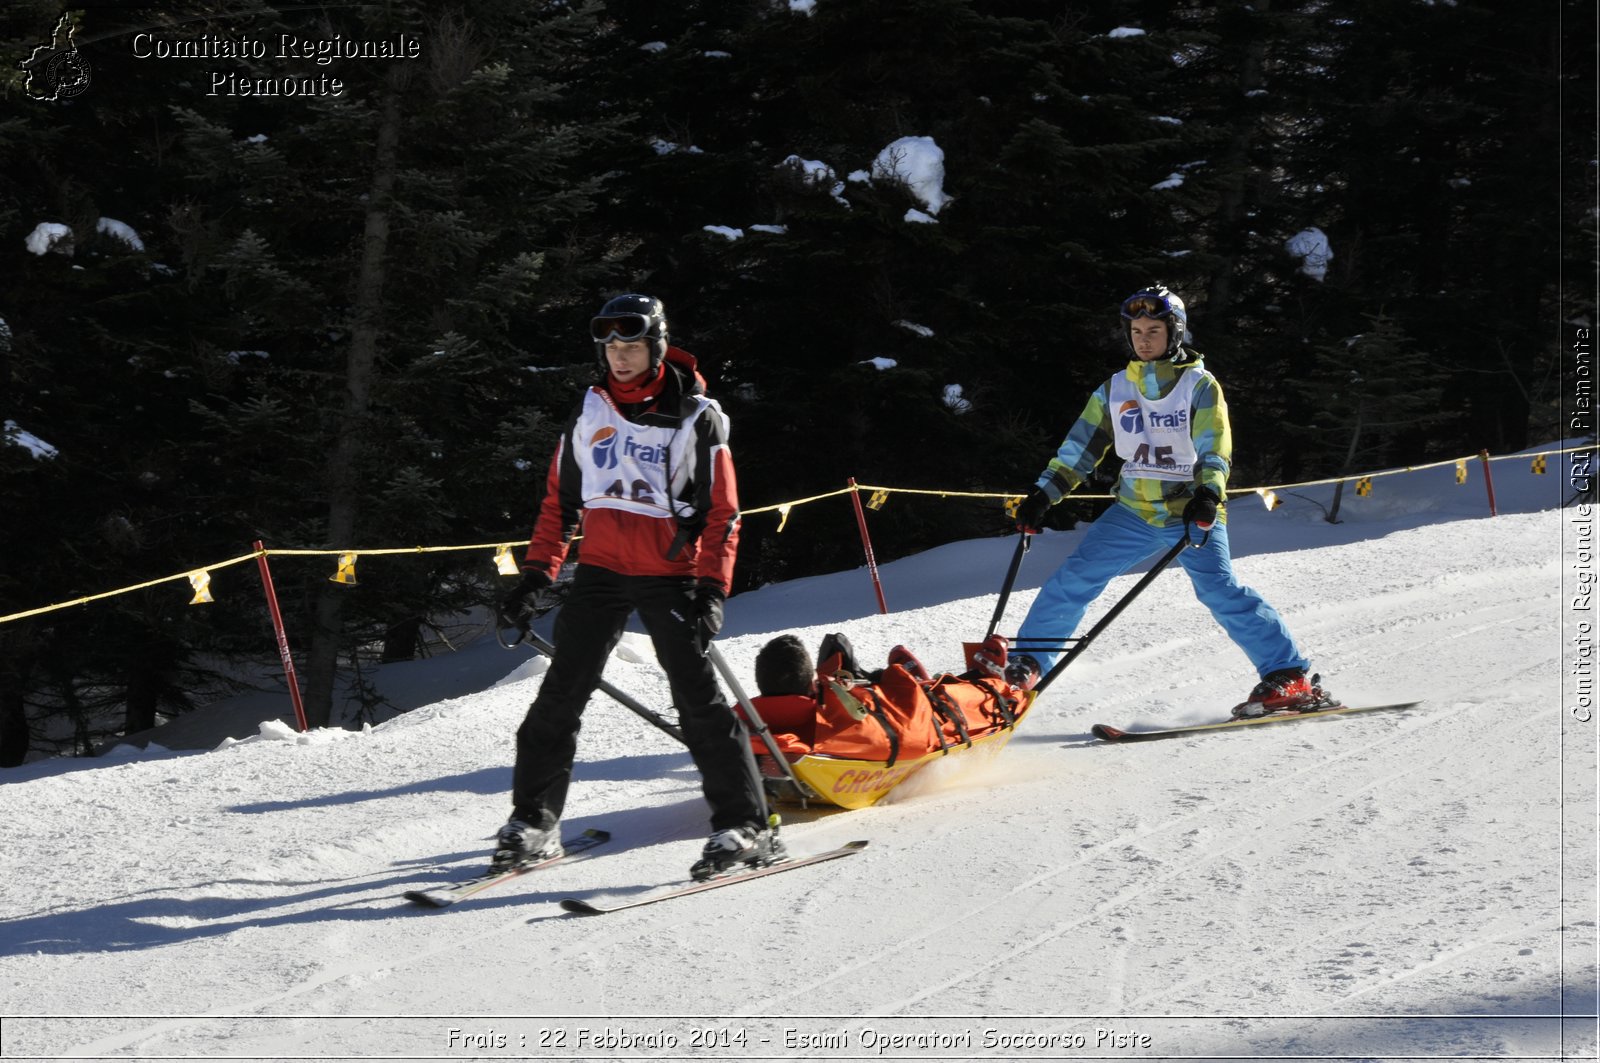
{"points": [[1139, 845], [1383, 868]]}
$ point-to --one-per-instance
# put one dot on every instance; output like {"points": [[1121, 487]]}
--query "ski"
{"points": [[1107, 733], [579, 906], [445, 896]]}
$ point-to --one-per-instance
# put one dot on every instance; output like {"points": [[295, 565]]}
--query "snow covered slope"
{"points": [[1415, 883]]}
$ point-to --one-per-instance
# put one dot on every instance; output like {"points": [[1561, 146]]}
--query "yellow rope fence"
{"points": [[200, 578]]}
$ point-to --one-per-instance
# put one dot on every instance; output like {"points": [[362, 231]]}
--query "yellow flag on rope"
{"points": [[783, 514], [347, 570], [1011, 506], [504, 563], [877, 500], [201, 582], [1364, 486], [1461, 472], [1538, 464], [1269, 498]]}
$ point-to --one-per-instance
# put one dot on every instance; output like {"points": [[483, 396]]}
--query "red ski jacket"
{"points": [[653, 494]]}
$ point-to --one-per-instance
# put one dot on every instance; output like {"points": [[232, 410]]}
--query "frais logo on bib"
{"points": [[608, 448], [1131, 417]]}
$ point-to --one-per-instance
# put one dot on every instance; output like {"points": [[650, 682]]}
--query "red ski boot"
{"points": [[908, 660], [989, 658], [1288, 690]]}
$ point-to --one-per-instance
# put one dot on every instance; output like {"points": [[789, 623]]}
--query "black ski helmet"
{"points": [[1158, 302], [631, 317]]}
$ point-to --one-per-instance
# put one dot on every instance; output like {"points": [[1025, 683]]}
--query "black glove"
{"points": [[1202, 508], [1031, 511], [523, 601], [707, 597]]}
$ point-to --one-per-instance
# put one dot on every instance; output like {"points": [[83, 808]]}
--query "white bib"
{"points": [[1153, 435], [625, 465]]}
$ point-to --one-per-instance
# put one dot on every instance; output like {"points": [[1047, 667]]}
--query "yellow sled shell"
{"points": [[860, 783]]}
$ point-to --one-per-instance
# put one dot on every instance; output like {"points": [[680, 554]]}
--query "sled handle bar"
{"points": [[622, 697], [1011, 579], [757, 724]]}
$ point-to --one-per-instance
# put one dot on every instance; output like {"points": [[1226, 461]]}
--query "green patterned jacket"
{"points": [[1159, 502]]}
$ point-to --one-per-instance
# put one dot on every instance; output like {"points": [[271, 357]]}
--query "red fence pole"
{"points": [[866, 543], [283, 638], [1488, 481]]}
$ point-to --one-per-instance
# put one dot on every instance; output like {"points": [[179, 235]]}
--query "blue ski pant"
{"points": [[1121, 539]]}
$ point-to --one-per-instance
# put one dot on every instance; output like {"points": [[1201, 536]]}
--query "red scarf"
{"points": [[645, 389]]}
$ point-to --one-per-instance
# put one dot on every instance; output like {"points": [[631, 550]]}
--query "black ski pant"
{"points": [[587, 629]]}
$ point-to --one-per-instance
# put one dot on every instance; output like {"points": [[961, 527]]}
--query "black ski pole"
{"points": [[1011, 578], [1111, 614], [626, 700]]}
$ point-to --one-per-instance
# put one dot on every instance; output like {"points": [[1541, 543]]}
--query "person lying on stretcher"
{"points": [[899, 711]]}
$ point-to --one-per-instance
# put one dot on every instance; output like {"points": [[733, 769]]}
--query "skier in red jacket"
{"points": [[643, 469]]}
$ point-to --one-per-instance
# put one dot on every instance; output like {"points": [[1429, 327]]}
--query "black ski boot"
{"points": [[726, 850], [520, 842]]}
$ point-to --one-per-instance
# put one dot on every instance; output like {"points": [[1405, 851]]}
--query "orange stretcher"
{"points": [[860, 740]]}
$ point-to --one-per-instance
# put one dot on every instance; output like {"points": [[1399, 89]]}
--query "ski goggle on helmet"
{"points": [[629, 318], [1155, 301], [625, 327]]}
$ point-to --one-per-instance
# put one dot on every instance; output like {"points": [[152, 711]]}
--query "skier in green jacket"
{"points": [[1165, 417]]}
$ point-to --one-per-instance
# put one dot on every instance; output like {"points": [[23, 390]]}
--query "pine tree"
{"points": [[233, 330], [452, 213], [102, 366], [1379, 400], [1423, 169]]}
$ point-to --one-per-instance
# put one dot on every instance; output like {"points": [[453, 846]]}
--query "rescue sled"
{"points": [[862, 739], [870, 738], [856, 783]]}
